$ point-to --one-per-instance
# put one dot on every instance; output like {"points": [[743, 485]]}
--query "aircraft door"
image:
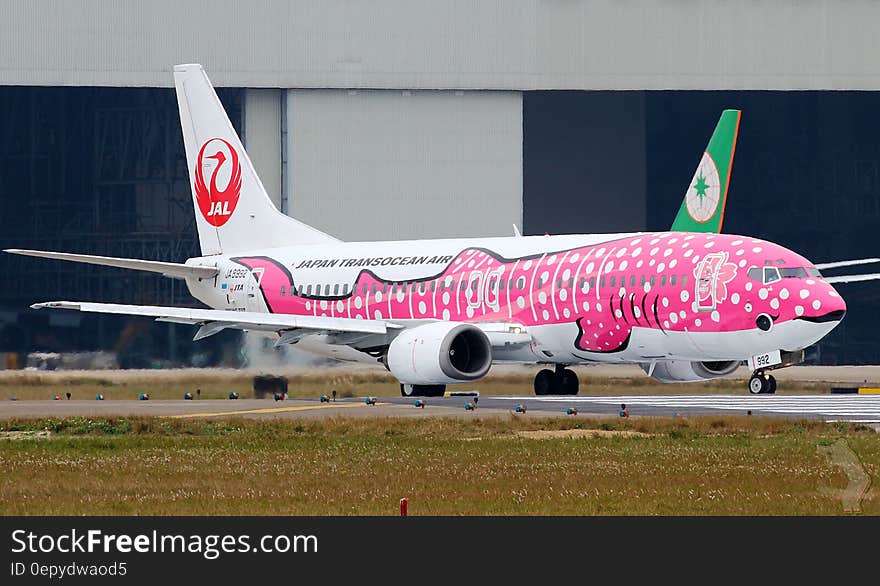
{"points": [[254, 300]]}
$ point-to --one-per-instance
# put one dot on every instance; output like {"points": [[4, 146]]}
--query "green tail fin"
{"points": [[703, 207]]}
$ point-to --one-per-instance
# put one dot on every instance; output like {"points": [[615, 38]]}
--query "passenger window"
{"points": [[632, 281], [336, 289], [384, 287], [364, 289], [684, 280], [327, 289], [521, 283], [653, 280], [592, 282], [672, 280], [771, 275], [602, 283], [663, 280], [345, 289], [613, 281], [283, 289], [309, 290], [642, 281], [375, 287], [433, 286]]}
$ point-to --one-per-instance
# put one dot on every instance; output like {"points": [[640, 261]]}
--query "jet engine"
{"points": [[439, 353], [682, 371]]}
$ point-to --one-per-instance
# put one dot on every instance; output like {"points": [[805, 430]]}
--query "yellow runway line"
{"points": [[273, 410]]}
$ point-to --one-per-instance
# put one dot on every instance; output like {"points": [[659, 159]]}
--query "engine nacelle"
{"points": [[682, 371], [439, 353]]}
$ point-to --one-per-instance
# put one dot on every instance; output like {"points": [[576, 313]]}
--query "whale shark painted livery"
{"points": [[686, 305]]}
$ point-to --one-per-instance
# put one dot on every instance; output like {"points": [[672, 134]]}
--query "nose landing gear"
{"points": [[762, 383]]}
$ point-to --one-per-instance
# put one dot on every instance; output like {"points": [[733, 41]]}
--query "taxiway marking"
{"points": [[272, 410]]}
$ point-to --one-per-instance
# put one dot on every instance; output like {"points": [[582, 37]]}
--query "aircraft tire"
{"points": [[758, 384], [422, 390], [568, 382], [771, 385], [546, 382]]}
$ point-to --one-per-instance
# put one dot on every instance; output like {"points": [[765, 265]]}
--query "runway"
{"points": [[856, 408]]}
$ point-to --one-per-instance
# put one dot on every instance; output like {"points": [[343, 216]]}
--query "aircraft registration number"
{"points": [[767, 360]]}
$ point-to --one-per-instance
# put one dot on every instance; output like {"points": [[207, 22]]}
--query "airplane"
{"points": [[691, 304]]}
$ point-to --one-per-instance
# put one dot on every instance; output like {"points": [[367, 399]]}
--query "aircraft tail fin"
{"points": [[703, 207], [233, 210]]}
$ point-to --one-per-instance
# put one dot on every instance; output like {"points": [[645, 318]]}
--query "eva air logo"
{"points": [[704, 192]]}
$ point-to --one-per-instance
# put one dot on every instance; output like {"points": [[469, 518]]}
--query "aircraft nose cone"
{"points": [[829, 306]]}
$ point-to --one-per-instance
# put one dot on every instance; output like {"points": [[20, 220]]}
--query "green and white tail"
{"points": [[703, 207]]}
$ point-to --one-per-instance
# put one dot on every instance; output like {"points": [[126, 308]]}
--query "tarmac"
{"points": [[856, 408]]}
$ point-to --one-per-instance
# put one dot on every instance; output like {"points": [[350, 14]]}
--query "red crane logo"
{"points": [[215, 204]]}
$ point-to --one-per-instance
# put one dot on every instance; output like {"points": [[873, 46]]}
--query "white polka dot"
{"points": [[621, 292], [652, 262], [672, 263], [647, 287], [734, 298], [423, 307], [601, 325], [811, 282], [687, 253], [689, 237], [636, 252], [685, 296], [682, 314], [590, 267], [762, 293], [551, 260], [600, 252], [378, 296], [445, 297], [566, 274], [709, 245], [804, 293], [716, 317], [377, 314], [673, 318], [798, 310], [598, 307], [542, 297], [774, 303], [620, 252], [471, 263], [637, 312], [833, 293], [737, 242], [340, 306], [527, 265], [359, 317], [545, 277], [574, 258], [667, 252], [586, 306], [742, 263], [623, 265], [470, 311], [757, 249], [748, 307], [666, 325], [400, 296], [324, 304], [566, 312], [618, 313], [639, 264], [748, 286], [545, 314], [817, 304], [783, 293], [661, 267], [309, 305], [521, 302], [665, 301], [654, 241], [563, 294], [698, 322], [654, 251], [446, 314], [634, 242]]}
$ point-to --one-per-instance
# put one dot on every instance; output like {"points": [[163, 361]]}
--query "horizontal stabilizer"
{"points": [[242, 320], [169, 269]]}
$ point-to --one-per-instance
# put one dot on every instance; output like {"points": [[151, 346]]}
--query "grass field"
{"points": [[216, 384], [693, 466]]}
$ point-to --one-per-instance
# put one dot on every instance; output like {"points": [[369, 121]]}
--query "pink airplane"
{"points": [[686, 305]]}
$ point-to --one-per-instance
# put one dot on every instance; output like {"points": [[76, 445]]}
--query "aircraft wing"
{"points": [[853, 278], [215, 320]]}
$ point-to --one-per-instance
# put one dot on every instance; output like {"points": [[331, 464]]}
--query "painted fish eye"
{"points": [[764, 322]]}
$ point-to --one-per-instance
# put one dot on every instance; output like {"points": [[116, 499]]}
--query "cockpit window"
{"points": [[771, 275], [813, 272], [755, 274], [793, 273]]}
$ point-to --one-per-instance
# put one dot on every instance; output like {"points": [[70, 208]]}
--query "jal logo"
{"points": [[218, 196]]}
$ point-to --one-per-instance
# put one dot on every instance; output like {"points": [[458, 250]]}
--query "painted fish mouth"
{"points": [[836, 315]]}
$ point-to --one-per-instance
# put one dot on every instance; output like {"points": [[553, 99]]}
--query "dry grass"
{"points": [[703, 465], [217, 383]]}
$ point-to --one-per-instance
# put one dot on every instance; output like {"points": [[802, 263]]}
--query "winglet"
{"points": [[703, 207], [516, 232]]}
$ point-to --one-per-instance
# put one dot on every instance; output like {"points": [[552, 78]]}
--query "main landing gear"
{"points": [[762, 383], [561, 381]]}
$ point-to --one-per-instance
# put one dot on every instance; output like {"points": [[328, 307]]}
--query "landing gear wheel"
{"points": [[568, 382], [545, 382], [761, 384], [422, 390]]}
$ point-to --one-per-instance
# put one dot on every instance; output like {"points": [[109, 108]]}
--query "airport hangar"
{"points": [[390, 119]]}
